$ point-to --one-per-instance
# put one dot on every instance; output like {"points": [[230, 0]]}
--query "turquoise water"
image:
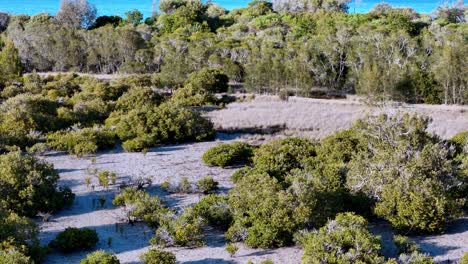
{"points": [[119, 7]]}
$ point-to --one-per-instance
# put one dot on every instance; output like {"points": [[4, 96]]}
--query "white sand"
{"points": [[317, 117]]}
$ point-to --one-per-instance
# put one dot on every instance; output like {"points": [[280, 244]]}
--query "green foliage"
{"points": [[10, 64], [82, 142], [74, 239], [210, 80], [278, 157], [140, 206], [145, 127], [405, 245], [408, 172], [100, 257], [232, 248], [207, 185], [214, 210], [185, 230], [464, 259], [155, 256], [13, 256], [16, 231], [29, 185], [343, 240], [264, 215], [224, 155]]}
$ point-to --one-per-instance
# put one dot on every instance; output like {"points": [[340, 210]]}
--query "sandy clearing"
{"points": [[317, 118], [129, 242]]}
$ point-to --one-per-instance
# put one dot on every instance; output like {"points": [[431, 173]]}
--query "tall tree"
{"points": [[76, 13]]}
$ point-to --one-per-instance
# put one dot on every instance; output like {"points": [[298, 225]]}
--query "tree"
{"points": [[4, 20], [76, 13], [10, 64], [134, 17]]}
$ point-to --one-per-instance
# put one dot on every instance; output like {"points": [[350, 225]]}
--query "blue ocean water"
{"points": [[119, 7]]}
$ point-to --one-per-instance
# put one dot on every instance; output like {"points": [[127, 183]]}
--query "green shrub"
{"points": [[214, 210], [278, 157], [185, 230], [74, 239], [224, 155], [82, 142], [29, 185], [408, 172], [343, 240], [264, 214], [464, 259], [140, 206], [207, 185], [17, 231], [100, 257], [151, 125], [13, 256], [459, 141], [415, 258], [155, 256], [232, 248], [210, 80], [190, 95], [405, 245]]}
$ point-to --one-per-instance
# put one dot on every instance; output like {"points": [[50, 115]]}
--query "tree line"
{"points": [[290, 46]]}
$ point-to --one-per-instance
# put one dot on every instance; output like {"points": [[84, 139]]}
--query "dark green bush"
{"points": [[75, 239], [185, 230], [343, 240], [210, 80], [82, 142], [224, 155], [29, 185], [214, 210], [207, 185], [278, 157], [407, 171], [264, 215], [100, 257], [155, 256], [152, 125], [140, 206]]}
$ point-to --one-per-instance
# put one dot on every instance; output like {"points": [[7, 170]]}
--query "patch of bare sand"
{"points": [[317, 118]]}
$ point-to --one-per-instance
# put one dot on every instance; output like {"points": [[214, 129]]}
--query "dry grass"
{"points": [[317, 118]]}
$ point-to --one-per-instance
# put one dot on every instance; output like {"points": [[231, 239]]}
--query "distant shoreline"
{"points": [[119, 7]]}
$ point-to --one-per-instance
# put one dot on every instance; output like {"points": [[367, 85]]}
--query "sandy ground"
{"points": [[317, 118], [174, 162], [129, 242]]}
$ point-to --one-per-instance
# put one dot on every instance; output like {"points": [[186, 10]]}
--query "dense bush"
{"points": [[155, 256], [100, 257], [147, 126], [224, 155], [185, 230], [209, 79], [140, 206], [17, 232], [13, 256], [278, 157], [408, 172], [264, 215], [82, 142], [214, 210], [74, 239], [343, 240], [29, 185], [207, 185]]}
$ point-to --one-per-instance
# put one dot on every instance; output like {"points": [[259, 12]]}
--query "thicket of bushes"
{"points": [[74, 239], [82, 115], [155, 256]]}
